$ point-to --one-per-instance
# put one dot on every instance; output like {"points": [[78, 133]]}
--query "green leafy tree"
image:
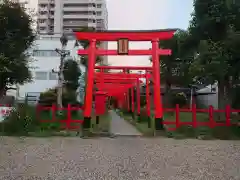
{"points": [[215, 32], [175, 68], [16, 37], [71, 74]]}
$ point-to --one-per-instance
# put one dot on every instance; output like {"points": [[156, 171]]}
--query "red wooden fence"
{"points": [[178, 123], [66, 121], [195, 123]]}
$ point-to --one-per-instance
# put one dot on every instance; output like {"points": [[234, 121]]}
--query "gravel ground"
{"points": [[121, 158]]}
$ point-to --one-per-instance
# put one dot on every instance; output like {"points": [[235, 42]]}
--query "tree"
{"points": [[85, 45], [71, 73], [215, 30], [16, 37], [175, 68]]}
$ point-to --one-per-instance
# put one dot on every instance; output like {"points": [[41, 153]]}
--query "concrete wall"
{"points": [[205, 99]]}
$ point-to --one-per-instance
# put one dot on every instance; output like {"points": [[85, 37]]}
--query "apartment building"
{"points": [[58, 16]]}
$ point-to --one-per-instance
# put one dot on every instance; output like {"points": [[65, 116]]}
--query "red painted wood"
{"points": [[124, 67], [104, 52], [130, 35]]}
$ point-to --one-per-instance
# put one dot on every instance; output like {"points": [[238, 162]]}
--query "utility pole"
{"points": [[63, 53]]}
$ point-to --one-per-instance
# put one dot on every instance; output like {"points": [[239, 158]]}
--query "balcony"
{"points": [[42, 9], [44, 24], [79, 16], [75, 2], [94, 25], [78, 9], [47, 2], [43, 16], [75, 23]]}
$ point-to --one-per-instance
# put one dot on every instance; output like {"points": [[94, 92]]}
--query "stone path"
{"points": [[120, 127], [124, 158]]}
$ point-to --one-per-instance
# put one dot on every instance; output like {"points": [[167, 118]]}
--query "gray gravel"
{"points": [[122, 158]]}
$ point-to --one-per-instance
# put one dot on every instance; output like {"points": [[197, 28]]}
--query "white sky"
{"points": [[131, 15], [142, 15]]}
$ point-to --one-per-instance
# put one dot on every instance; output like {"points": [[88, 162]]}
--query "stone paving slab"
{"points": [[121, 127]]}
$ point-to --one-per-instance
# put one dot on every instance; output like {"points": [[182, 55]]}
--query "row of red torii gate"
{"points": [[119, 84], [104, 85]]}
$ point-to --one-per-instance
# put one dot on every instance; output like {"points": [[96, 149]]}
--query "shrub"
{"points": [[143, 101], [20, 121], [180, 99], [143, 115], [236, 94], [49, 97]]}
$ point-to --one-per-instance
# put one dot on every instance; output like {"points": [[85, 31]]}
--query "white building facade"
{"points": [[44, 59]]}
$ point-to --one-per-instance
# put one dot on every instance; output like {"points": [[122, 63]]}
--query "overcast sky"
{"points": [[143, 15], [146, 15]]}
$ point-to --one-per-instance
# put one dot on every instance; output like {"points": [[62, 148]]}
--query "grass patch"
{"points": [[201, 132], [104, 124], [185, 131]]}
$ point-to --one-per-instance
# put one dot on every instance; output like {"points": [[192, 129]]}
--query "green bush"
{"points": [[20, 121], [180, 99], [143, 101], [236, 94], [143, 116], [24, 120], [49, 97]]}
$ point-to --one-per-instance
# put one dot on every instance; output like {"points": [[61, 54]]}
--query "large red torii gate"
{"points": [[123, 38]]}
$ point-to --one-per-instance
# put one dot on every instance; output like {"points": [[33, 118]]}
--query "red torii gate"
{"points": [[123, 38], [121, 79], [147, 75]]}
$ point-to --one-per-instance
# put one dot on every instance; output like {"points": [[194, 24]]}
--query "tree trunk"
{"points": [[60, 79], [223, 99], [2, 92], [60, 85], [2, 89], [167, 98]]}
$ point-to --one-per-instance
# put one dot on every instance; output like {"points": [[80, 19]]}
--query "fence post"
{"points": [[228, 112], [177, 116], [38, 113], [68, 122], [194, 115], [54, 108], [211, 120]]}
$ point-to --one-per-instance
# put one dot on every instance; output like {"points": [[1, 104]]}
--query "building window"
{"points": [[42, 28], [53, 76], [43, 12], [99, 13], [41, 75], [99, 5], [99, 21], [42, 20], [42, 5]]}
